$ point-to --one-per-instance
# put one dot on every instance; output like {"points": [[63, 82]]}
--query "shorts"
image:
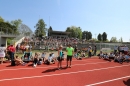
{"points": [[69, 58], [59, 58]]}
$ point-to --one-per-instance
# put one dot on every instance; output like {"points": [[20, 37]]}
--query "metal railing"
{"points": [[8, 34]]}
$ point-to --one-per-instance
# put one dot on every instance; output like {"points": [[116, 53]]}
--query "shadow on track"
{"points": [[127, 83], [53, 70]]}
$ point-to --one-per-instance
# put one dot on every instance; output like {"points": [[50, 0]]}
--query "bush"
{"points": [[9, 40]]}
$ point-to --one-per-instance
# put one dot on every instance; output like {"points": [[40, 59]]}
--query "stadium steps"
{"points": [[18, 39]]}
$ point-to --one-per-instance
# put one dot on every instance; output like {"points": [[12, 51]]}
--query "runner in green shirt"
{"points": [[70, 51]]}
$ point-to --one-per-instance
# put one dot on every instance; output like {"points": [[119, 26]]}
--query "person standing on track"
{"points": [[12, 51], [60, 55], [2, 52], [69, 51]]}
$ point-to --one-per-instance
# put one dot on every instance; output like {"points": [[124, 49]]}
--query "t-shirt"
{"points": [[61, 54], [2, 49], [12, 49], [126, 48], [70, 51], [43, 55]]}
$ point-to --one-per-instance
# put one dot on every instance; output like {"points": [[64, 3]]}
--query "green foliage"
{"points": [[9, 27], [113, 39], [6, 27], [40, 28], [86, 35], [99, 37], [107, 40], [104, 36], [9, 41], [49, 30], [16, 23], [76, 32], [68, 29], [1, 19], [121, 39]]}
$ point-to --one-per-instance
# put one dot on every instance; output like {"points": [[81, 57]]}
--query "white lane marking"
{"points": [[108, 81], [63, 73], [48, 66]]}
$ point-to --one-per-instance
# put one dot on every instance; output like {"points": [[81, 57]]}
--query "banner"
{"points": [[106, 49]]}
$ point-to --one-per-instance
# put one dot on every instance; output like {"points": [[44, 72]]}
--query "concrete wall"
{"points": [[3, 41]]}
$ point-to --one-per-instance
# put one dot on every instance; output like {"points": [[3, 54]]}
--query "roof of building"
{"points": [[62, 32]]}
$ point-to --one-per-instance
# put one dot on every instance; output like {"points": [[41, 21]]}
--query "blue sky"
{"points": [[97, 16]]}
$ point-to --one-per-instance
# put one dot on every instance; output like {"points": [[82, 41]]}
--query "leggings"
{"points": [[35, 61]]}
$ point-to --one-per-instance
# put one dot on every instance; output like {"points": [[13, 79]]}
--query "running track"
{"points": [[86, 72]]}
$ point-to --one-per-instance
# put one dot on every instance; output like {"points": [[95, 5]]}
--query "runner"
{"points": [[69, 51], [2, 53]]}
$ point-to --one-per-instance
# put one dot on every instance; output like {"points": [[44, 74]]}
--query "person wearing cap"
{"points": [[70, 52], [60, 55]]}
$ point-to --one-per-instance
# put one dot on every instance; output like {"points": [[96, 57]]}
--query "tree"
{"points": [[89, 35], [49, 31], [113, 39], [1, 19], [99, 37], [6, 27], [76, 32], [86, 35], [68, 29], [16, 23], [121, 39], [40, 28], [104, 36]]}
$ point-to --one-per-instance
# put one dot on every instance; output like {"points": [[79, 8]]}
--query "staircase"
{"points": [[18, 39]]}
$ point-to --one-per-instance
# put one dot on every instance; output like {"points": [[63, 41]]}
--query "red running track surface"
{"points": [[87, 72]]}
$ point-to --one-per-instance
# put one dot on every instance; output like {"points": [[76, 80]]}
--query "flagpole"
{"points": [[49, 25], [49, 21]]}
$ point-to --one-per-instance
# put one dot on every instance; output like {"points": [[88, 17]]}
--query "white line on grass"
{"points": [[48, 66], [63, 73], [107, 81]]}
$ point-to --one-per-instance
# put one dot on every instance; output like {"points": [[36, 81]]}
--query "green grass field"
{"points": [[50, 51]]}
